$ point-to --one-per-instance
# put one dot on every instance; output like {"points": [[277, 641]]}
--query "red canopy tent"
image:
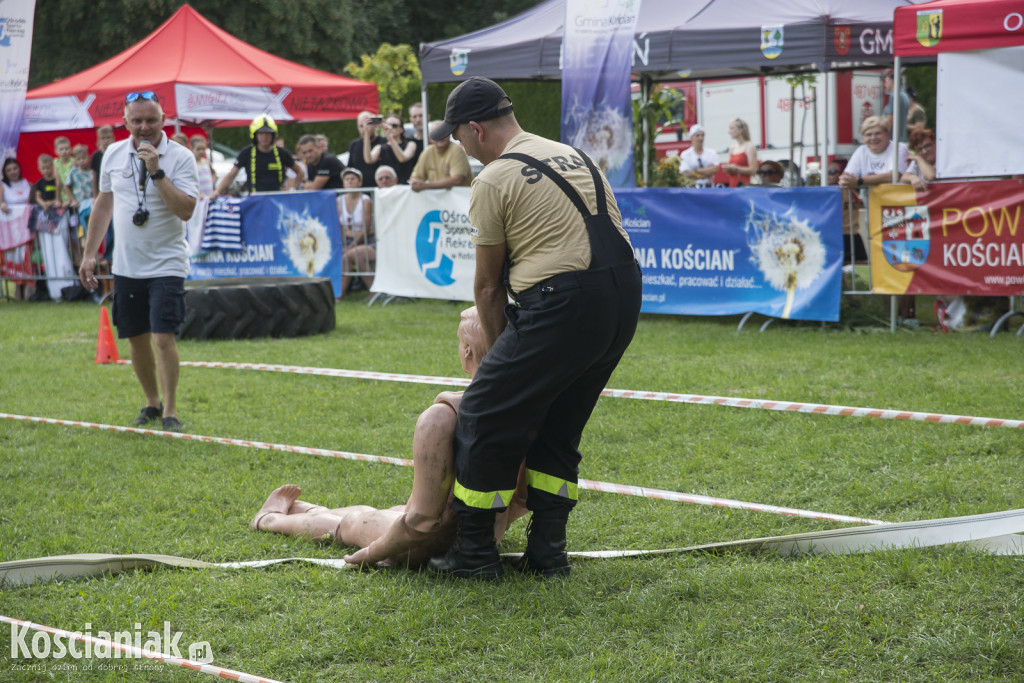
{"points": [[202, 74], [979, 46], [957, 25]]}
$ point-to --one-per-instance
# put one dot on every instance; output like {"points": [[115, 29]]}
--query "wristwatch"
{"points": [[158, 174], [860, 181]]}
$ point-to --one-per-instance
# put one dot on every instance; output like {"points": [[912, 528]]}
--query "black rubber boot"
{"points": [[545, 544], [474, 554]]}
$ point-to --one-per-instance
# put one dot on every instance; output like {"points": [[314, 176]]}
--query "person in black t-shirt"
{"points": [[361, 146], [266, 165], [322, 169], [45, 189]]}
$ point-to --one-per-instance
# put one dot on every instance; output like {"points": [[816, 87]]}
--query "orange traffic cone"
{"points": [[106, 347]]}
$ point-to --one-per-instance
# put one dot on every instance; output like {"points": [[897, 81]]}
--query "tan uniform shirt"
{"points": [[543, 232], [436, 164]]}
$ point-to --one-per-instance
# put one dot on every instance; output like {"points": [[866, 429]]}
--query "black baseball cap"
{"points": [[475, 99]]}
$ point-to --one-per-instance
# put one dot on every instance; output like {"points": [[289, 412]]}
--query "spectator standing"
{"points": [[889, 84], [742, 162], [397, 151], [416, 121], [355, 212], [360, 148], [149, 205], [207, 175], [921, 170], [322, 169], [322, 143], [15, 189], [770, 173], [917, 117], [441, 166], [871, 164], [104, 138], [696, 162], [62, 163], [45, 188], [265, 163], [385, 177]]}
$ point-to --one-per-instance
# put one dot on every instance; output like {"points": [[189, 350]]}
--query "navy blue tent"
{"points": [[684, 39]]}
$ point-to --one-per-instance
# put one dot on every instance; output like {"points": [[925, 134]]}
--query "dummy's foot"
{"points": [[279, 501]]}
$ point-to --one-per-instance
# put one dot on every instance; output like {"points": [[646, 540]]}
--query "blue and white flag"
{"points": [[597, 115]]}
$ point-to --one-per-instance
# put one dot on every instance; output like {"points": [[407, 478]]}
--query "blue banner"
{"points": [[283, 234], [774, 251], [16, 49], [597, 113]]}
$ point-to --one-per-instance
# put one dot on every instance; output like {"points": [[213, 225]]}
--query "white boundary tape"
{"points": [[606, 487], [211, 669], [730, 401], [994, 532]]}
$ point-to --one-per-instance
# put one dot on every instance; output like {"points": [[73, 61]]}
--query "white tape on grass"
{"points": [[728, 401], [606, 487], [994, 532]]}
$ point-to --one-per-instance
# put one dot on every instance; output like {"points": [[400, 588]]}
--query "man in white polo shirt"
{"points": [[149, 185]]}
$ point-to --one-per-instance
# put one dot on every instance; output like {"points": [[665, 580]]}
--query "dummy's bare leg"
{"points": [[433, 474], [357, 525], [277, 503]]}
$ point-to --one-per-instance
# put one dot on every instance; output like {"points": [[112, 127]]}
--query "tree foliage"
{"points": [[395, 70], [72, 35]]}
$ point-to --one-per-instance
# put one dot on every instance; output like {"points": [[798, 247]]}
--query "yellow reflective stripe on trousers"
{"points": [[485, 500], [552, 485]]}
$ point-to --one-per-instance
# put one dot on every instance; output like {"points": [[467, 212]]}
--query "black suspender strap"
{"points": [[567, 189], [602, 200]]}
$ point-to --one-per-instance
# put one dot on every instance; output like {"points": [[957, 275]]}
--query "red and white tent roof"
{"points": [[956, 26], [201, 73]]}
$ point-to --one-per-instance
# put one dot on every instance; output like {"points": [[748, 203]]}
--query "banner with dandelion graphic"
{"points": [[283, 234], [774, 251], [597, 114]]}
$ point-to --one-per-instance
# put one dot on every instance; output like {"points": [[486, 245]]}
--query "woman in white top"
{"points": [[15, 189], [871, 163], [696, 162], [355, 211]]}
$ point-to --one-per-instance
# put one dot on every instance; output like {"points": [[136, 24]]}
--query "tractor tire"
{"points": [[248, 308]]}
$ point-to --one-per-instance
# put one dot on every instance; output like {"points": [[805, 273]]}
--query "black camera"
{"points": [[140, 217]]}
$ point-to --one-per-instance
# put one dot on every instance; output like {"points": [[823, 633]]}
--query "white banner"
{"points": [[980, 98], [424, 248], [16, 51], [214, 102]]}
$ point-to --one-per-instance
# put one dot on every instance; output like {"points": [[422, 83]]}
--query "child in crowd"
{"points": [[46, 187], [61, 165], [79, 182], [207, 176]]}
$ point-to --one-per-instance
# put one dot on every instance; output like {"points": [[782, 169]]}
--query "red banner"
{"points": [[956, 238]]}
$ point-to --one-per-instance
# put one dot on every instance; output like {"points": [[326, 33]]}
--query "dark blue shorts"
{"points": [[149, 305]]}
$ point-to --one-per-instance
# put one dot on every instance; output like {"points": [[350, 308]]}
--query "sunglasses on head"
{"points": [[144, 95], [833, 171]]}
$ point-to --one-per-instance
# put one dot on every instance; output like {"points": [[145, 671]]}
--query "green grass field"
{"points": [[922, 614]]}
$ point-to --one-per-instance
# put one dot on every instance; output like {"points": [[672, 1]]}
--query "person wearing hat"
{"points": [[266, 165], [696, 162], [547, 232], [442, 165], [355, 213]]}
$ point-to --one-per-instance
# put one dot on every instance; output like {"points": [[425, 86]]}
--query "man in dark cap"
{"points": [[547, 232]]}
